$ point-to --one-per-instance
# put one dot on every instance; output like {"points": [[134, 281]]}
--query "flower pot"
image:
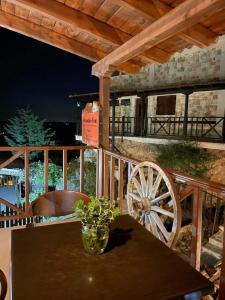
{"points": [[95, 239]]}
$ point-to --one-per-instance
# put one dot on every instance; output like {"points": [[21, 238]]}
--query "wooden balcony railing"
{"points": [[115, 171], [112, 173], [23, 211], [200, 128]]}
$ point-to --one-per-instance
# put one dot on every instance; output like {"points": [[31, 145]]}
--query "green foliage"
{"points": [[37, 178], [27, 129], [74, 176], [37, 173], [185, 157], [97, 214]]}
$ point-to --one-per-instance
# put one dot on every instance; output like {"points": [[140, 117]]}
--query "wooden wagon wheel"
{"points": [[153, 201]]}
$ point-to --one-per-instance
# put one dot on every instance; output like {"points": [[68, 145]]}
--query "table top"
{"points": [[49, 263]]}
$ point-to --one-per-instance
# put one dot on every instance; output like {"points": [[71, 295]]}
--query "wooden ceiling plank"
{"points": [[145, 7], [50, 37], [180, 18], [75, 18], [63, 13], [154, 9]]}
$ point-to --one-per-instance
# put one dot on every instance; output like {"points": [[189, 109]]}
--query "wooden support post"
{"points": [[185, 123], [123, 127], [65, 169], [46, 170], [223, 133], [142, 116], [81, 170], [222, 278], [196, 229], [104, 110], [27, 182]]}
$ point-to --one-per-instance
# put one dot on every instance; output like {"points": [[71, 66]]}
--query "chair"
{"points": [[3, 285], [56, 203]]}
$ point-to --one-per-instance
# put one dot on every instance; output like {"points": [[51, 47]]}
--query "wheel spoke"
{"points": [[161, 197], [160, 225], [142, 218], [162, 211], [135, 197], [153, 227], [138, 187], [149, 182], [156, 186], [142, 179]]}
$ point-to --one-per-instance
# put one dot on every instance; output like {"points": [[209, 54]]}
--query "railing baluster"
{"points": [[81, 170], [196, 229], [97, 175], [101, 173], [222, 278], [120, 186], [65, 178], [27, 182], [46, 170], [223, 130], [112, 180], [106, 176]]}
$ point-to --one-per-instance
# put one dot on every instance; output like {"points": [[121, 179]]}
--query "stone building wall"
{"points": [[201, 104], [192, 66]]}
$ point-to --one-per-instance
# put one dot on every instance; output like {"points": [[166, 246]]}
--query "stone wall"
{"points": [[193, 65], [201, 104]]}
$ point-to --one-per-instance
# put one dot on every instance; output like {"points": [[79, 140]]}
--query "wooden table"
{"points": [[49, 263]]}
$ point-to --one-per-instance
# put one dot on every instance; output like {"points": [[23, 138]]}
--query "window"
{"points": [[125, 102], [166, 105], [116, 103]]}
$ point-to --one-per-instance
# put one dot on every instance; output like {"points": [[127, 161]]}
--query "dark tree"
{"points": [[27, 129]]}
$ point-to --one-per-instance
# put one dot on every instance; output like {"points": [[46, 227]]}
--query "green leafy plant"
{"points": [[97, 213], [96, 216], [185, 157]]}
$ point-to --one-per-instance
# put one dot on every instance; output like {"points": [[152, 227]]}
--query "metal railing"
{"points": [[198, 128]]}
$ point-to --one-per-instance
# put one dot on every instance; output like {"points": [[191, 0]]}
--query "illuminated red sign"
{"points": [[90, 129]]}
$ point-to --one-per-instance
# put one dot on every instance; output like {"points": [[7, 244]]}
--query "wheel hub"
{"points": [[146, 205]]}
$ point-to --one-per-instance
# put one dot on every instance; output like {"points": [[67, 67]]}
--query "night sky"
{"points": [[36, 74]]}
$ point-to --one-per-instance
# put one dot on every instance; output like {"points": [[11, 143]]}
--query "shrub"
{"points": [[185, 157]]}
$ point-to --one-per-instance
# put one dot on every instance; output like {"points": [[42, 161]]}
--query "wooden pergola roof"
{"points": [[95, 28]]}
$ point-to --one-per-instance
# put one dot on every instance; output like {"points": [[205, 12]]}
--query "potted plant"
{"points": [[96, 216]]}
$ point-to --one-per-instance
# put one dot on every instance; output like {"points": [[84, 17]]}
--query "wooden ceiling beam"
{"points": [[77, 19], [179, 19], [197, 35], [152, 10], [57, 40]]}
